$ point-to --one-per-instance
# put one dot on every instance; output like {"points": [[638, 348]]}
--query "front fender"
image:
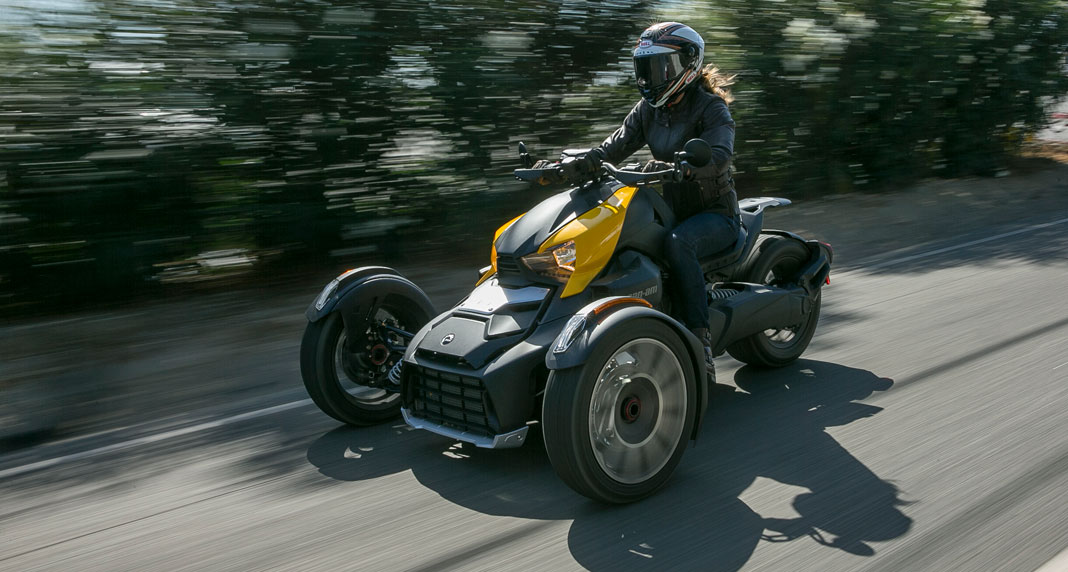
{"points": [[595, 328], [346, 291]]}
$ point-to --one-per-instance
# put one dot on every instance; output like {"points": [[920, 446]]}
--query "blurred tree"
{"points": [[134, 135], [841, 93]]}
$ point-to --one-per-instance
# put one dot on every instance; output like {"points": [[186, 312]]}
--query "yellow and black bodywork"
{"points": [[576, 252], [476, 371], [580, 264], [569, 325]]}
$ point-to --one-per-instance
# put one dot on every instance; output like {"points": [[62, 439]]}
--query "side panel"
{"points": [[753, 309], [649, 220], [534, 228], [493, 250], [595, 233], [631, 274]]}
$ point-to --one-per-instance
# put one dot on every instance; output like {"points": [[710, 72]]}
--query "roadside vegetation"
{"points": [[144, 146]]}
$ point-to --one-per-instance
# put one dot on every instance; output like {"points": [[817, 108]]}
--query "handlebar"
{"points": [[544, 176], [554, 174], [696, 153], [628, 177]]}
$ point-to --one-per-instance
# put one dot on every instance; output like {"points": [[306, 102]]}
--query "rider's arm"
{"points": [[626, 140], [719, 133]]}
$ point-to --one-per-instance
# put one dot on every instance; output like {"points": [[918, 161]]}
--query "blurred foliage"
{"points": [[170, 140], [836, 95]]}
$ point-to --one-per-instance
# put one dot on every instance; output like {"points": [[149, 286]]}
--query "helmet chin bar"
{"points": [[686, 80]]}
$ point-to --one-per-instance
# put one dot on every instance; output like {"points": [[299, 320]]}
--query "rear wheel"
{"points": [[347, 373], [616, 427], [776, 261]]}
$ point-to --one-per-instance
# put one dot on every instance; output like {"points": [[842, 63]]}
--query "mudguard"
{"points": [[345, 292], [564, 355], [818, 269]]}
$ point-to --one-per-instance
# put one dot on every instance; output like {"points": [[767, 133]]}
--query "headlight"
{"points": [[557, 263]]}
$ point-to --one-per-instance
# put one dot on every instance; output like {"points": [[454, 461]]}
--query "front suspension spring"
{"points": [[395, 373]]}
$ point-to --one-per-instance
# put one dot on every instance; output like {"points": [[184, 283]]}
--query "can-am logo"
{"points": [[645, 44], [448, 339]]}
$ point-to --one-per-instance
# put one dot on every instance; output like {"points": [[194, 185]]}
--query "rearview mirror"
{"points": [[697, 152], [525, 159]]}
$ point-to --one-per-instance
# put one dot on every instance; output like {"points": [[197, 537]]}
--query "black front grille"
{"points": [[450, 399], [507, 265]]}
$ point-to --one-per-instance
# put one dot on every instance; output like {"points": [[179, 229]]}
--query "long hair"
{"points": [[716, 82]]}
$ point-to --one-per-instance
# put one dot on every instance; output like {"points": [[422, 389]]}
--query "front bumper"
{"points": [[508, 440], [490, 406]]}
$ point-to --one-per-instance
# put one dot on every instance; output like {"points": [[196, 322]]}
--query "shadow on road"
{"points": [[774, 428]]}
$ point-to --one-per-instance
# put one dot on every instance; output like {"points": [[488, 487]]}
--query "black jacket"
{"points": [[666, 130]]}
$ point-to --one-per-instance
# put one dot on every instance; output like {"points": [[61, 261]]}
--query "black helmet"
{"points": [[668, 57]]}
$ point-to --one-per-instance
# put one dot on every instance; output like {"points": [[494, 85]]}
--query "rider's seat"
{"points": [[752, 216], [728, 255]]}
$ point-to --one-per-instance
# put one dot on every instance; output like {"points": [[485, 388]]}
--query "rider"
{"points": [[681, 101]]}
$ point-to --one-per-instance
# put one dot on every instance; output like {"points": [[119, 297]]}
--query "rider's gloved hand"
{"points": [[550, 174], [588, 163], [654, 166], [686, 171], [581, 168]]}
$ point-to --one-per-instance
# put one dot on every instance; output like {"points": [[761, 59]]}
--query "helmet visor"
{"points": [[656, 71]]}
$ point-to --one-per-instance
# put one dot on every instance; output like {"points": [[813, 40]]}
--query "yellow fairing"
{"points": [[595, 233], [493, 250]]}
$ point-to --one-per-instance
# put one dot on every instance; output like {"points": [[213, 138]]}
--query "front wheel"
{"points": [[616, 427], [347, 373], [776, 261]]}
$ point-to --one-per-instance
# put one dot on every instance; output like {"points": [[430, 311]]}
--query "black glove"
{"points": [[686, 171], [582, 167], [591, 161], [542, 164]]}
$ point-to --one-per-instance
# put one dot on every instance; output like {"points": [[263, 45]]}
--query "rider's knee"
{"points": [[677, 246]]}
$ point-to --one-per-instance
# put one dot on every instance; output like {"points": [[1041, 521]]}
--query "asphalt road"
{"points": [[925, 429]]}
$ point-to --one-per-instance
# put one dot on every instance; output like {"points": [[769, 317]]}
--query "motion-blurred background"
{"points": [[149, 146], [180, 178]]}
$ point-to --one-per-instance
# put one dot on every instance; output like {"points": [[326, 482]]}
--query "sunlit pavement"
{"points": [[922, 431]]}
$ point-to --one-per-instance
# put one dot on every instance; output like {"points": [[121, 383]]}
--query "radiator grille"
{"points": [[507, 265], [451, 400]]}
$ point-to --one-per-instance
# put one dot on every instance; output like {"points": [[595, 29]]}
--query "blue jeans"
{"points": [[701, 235]]}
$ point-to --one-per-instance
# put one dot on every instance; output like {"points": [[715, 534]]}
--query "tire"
{"points": [[353, 387], [776, 260], [619, 443]]}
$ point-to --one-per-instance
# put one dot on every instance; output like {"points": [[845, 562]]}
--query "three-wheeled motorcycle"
{"points": [[568, 331]]}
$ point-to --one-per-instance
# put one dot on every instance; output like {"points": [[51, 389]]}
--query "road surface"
{"points": [[925, 429]]}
